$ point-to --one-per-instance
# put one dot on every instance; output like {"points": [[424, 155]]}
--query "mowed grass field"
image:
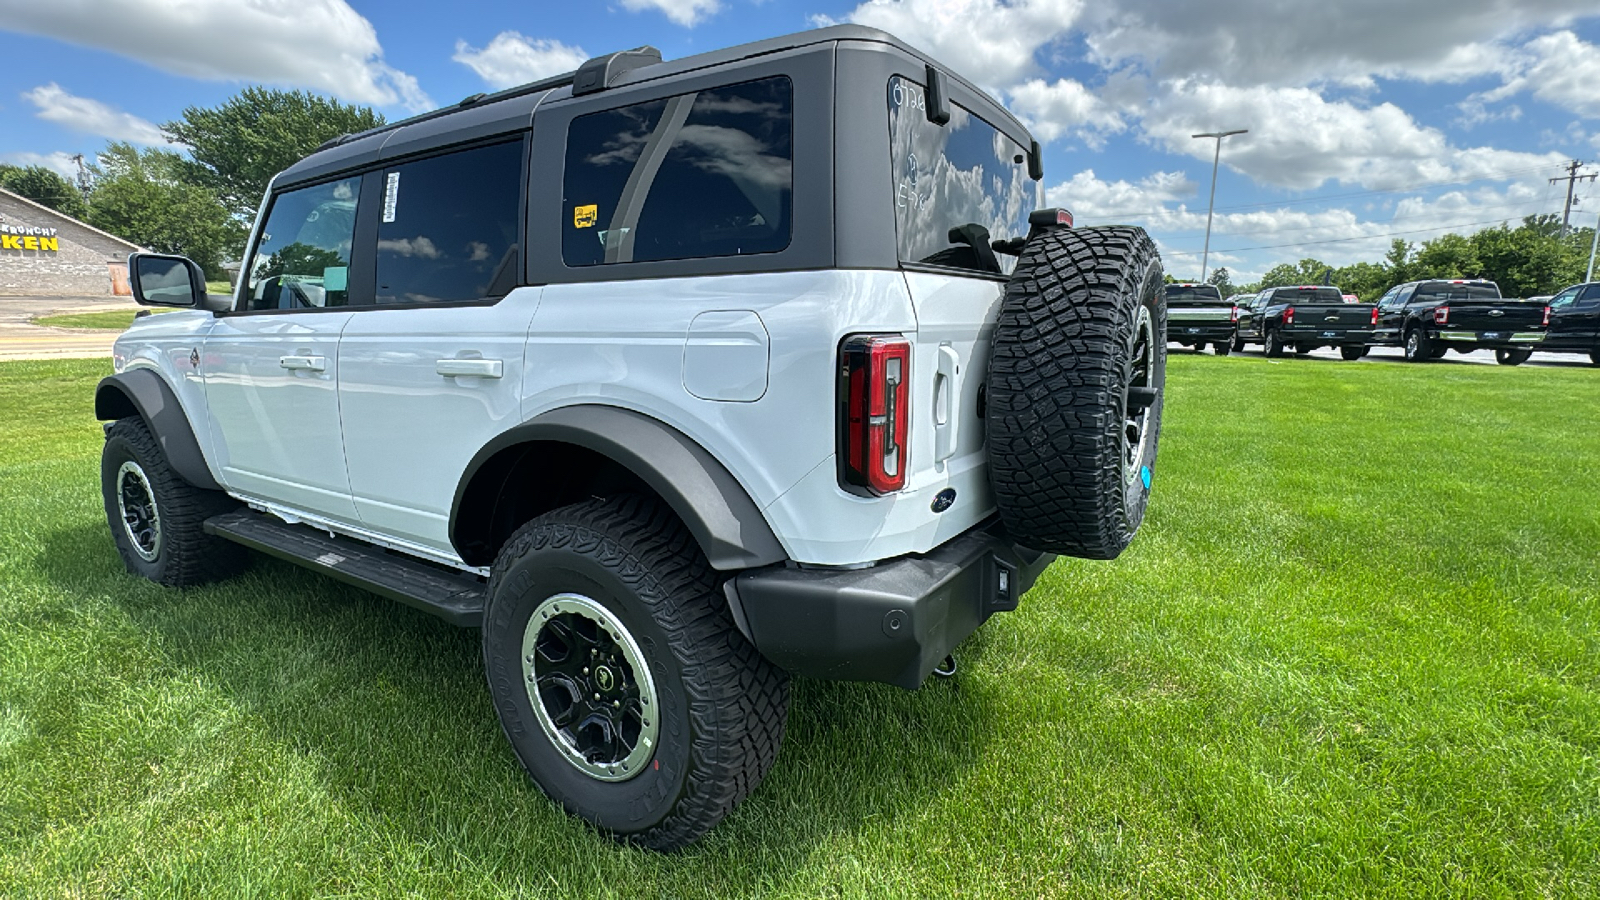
{"points": [[1353, 652]]}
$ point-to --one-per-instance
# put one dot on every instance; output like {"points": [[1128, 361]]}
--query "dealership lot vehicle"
{"points": [[1574, 322], [1197, 315], [1304, 318], [1430, 318], [676, 377]]}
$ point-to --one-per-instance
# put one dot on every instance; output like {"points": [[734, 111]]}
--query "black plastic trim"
{"points": [[893, 622], [718, 511], [147, 394]]}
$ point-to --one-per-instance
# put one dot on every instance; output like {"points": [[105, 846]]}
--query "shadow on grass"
{"points": [[391, 706]]}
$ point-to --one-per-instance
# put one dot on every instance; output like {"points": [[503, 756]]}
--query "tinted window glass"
{"points": [[303, 258], [448, 231], [962, 175], [1315, 295], [1192, 294], [1444, 290], [704, 174]]}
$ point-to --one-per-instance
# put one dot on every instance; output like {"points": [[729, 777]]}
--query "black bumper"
{"points": [[893, 622], [1184, 333], [1325, 337]]}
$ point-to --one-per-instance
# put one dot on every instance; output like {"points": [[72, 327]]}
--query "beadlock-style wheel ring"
{"points": [[590, 688], [136, 504]]}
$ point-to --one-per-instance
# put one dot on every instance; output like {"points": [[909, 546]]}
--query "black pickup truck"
{"points": [[1574, 322], [1197, 315], [1429, 318], [1305, 318]]}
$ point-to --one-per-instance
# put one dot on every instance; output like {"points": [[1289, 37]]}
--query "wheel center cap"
{"points": [[604, 678]]}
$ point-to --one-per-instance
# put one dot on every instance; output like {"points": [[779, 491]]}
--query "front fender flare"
{"points": [[725, 521], [145, 393]]}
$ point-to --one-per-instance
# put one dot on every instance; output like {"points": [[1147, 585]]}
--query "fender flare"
{"points": [[718, 511], [145, 393]]}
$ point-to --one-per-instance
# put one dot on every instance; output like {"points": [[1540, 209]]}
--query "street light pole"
{"points": [[1211, 206], [1593, 243]]}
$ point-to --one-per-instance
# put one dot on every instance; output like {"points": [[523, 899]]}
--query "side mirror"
{"points": [[160, 280]]}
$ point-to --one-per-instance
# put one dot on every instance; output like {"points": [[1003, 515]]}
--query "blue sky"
{"points": [[1368, 118]]}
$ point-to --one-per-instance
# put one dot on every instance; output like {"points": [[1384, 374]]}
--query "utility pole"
{"points": [[83, 176], [1571, 178], [1210, 206]]}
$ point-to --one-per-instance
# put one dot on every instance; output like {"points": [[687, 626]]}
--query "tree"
{"points": [[1307, 271], [1366, 280], [1447, 256], [238, 146], [140, 197], [44, 187], [1223, 280]]}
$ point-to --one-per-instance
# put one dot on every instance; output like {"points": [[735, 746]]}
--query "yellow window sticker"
{"points": [[585, 216]]}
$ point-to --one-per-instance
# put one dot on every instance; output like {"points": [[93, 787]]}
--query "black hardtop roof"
{"points": [[476, 113]]}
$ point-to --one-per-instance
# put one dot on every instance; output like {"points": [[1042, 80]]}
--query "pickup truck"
{"points": [[1429, 318], [1197, 315], [1304, 318], [1574, 323]]}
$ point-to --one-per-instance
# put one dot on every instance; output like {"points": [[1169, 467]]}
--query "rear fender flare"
{"points": [[718, 511], [144, 393]]}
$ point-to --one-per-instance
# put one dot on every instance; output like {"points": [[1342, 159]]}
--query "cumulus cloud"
{"points": [[319, 44], [63, 164], [989, 42], [512, 59], [1065, 107], [684, 12], [1558, 68], [91, 116]]}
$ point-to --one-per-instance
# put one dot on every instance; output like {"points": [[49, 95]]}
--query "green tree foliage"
{"points": [[237, 147], [1223, 280], [1448, 256], [141, 196], [44, 187], [1306, 271]]}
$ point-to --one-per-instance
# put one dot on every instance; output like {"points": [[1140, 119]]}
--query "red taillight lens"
{"points": [[1547, 317], [1441, 316], [1374, 315], [1235, 314], [1288, 316], [875, 411]]}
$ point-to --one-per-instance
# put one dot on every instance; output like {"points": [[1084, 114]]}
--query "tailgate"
{"points": [[1494, 316], [1341, 317]]}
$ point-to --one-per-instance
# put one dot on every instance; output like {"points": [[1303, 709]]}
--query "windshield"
{"points": [[1309, 295], [964, 176], [1193, 293], [1444, 290]]}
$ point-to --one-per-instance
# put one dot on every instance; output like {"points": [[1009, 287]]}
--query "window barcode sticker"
{"points": [[391, 194]]}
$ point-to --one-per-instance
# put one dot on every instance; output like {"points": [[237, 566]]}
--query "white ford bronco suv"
{"points": [[676, 378]]}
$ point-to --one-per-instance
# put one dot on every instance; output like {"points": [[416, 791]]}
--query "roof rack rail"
{"points": [[597, 74]]}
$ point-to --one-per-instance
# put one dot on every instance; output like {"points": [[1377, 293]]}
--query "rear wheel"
{"points": [[1417, 346], [1238, 343], [1273, 344], [620, 679], [1075, 389], [1220, 348], [1352, 353], [1594, 357], [1512, 357], [1303, 349]]}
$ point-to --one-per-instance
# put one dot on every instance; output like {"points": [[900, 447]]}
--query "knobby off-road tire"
{"points": [[1351, 354], [623, 579], [155, 516], [1512, 357], [1272, 345], [1075, 389]]}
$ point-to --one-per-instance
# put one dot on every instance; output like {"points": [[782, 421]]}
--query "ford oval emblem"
{"points": [[944, 500]]}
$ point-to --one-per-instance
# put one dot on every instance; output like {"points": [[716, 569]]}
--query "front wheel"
{"points": [[620, 679], [1512, 357], [1352, 354]]}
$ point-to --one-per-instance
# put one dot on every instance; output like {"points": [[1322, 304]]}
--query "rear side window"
{"points": [[449, 226], [1444, 290], [698, 175], [1317, 295], [1193, 294], [956, 185], [303, 258]]}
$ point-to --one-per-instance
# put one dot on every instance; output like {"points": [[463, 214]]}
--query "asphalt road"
{"points": [[20, 339]]}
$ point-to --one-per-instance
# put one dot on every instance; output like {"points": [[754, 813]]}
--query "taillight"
{"points": [[1441, 316], [1547, 317], [1235, 314], [1374, 315], [1288, 316], [875, 410]]}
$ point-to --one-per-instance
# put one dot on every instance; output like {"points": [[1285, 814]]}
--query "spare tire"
{"points": [[1074, 389]]}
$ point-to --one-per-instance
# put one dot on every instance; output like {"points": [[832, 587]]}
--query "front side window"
{"points": [[704, 174], [449, 226], [302, 260], [1564, 299], [957, 186]]}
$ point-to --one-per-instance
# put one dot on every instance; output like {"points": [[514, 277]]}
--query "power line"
{"points": [[1572, 178]]}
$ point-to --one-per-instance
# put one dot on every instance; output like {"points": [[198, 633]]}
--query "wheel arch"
{"points": [[600, 450], [144, 393]]}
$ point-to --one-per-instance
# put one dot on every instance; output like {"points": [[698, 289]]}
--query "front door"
{"points": [[271, 366], [1566, 322]]}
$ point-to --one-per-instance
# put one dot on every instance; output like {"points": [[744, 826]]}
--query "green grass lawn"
{"points": [[1353, 653], [113, 319]]}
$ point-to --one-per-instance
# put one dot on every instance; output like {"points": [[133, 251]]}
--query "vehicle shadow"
{"points": [[390, 705]]}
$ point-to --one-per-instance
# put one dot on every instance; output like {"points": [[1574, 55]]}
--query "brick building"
{"points": [[45, 253]]}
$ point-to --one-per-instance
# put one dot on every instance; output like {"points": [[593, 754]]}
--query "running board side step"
{"points": [[458, 598]]}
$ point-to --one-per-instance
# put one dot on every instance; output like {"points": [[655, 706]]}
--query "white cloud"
{"points": [[988, 42], [684, 12], [91, 116], [1558, 68], [63, 164], [1089, 197], [319, 44], [1065, 107], [512, 59]]}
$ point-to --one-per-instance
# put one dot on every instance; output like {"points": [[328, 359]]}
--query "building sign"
{"points": [[23, 237]]}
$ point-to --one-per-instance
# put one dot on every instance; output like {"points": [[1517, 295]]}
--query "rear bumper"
{"points": [[1495, 339], [1326, 337], [893, 622], [1199, 333]]}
